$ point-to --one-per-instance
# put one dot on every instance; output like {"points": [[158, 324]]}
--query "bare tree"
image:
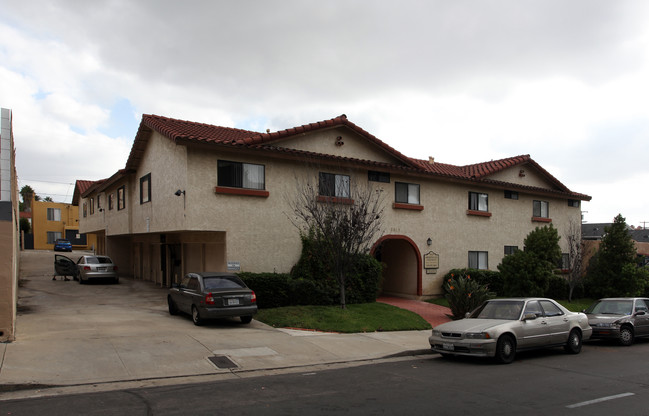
{"points": [[575, 252], [344, 225]]}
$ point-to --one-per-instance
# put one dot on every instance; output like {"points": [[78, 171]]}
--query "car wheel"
{"points": [[573, 346], [626, 336], [116, 280], [505, 349], [173, 309], [246, 319], [196, 317]]}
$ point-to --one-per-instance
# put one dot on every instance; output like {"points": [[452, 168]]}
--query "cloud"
{"points": [[463, 81]]}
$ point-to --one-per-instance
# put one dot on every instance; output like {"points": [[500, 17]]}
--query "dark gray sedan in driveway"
{"points": [[212, 295], [623, 319]]}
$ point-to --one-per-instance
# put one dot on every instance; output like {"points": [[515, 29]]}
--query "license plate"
{"points": [[448, 347], [101, 269], [233, 302]]}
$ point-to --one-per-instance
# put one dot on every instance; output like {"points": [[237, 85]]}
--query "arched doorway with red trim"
{"points": [[401, 265]]}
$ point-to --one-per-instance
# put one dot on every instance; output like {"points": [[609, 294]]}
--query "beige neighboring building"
{"points": [[196, 197], [9, 229]]}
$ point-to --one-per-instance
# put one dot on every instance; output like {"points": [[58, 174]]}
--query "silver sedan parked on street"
{"points": [[501, 327], [212, 295], [623, 319]]}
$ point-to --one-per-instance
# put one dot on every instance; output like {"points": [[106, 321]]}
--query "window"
{"points": [[92, 206], [550, 309], [406, 193], [241, 175], [85, 209], [478, 201], [574, 203], [54, 214], [52, 236], [511, 194], [510, 250], [541, 209], [121, 198], [111, 201], [478, 260], [375, 176], [565, 261], [333, 185], [99, 202], [145, 189], [533, 307]]}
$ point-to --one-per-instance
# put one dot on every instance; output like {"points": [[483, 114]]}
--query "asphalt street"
{"points": [[604, 379]]}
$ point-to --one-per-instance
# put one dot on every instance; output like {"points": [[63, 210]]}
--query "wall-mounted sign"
{"points": [[234, 266], [431, 262]]}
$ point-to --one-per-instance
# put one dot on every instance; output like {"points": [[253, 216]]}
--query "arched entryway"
{"points": [[402, 265]]}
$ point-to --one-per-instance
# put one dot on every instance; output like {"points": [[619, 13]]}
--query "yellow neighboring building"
{"points": [[53, 220]]}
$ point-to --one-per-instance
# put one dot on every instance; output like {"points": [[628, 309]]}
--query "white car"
{"points": [[501, 327]]}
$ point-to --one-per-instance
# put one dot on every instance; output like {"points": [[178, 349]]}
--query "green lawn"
{"points": [[366, 317]]}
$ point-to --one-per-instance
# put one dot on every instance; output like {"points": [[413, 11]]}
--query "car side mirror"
{"points": [[529, 317], [175, 285], [640, 313]]}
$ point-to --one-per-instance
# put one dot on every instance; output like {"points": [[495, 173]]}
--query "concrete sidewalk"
{"points": [[97, 336]]}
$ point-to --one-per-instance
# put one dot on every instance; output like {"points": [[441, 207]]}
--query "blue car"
{"points": [[62, 245]]}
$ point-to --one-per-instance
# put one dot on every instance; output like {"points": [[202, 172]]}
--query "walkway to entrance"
{"points": [[434, 314]]}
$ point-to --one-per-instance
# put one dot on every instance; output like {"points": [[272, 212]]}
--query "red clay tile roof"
{"points": [[192, 132]]}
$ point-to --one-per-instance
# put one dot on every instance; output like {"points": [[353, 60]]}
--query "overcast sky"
{"points": [[566, 82]]}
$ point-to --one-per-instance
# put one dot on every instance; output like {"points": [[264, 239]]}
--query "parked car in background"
{"points": [[623, 319], [212, 295], [501, 327], [96, 268], [62, 244]]}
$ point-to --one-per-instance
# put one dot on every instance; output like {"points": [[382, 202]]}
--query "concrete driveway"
{"points": [[92, 334]]}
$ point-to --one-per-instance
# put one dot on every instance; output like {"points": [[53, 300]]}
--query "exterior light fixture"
{"points": [[429, 241], [179, 192]]}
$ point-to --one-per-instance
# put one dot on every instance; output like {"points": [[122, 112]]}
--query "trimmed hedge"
{"points": [[492, 279], [276, 290]]}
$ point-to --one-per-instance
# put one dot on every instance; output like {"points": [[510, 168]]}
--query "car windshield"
{"points": [[98, 260], [502, 309], [612, 307], [223, 282]]}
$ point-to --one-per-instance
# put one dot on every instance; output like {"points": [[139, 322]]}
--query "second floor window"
{"points": [[145, 189], [478, 201], [241, 175], [121, 198], [406, 193], [111, 201], [541, 209], [333, 185], [54, 214], [92, 206]]}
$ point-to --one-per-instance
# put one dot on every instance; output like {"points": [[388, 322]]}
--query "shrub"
{"points": [[272, 289], [464, 294], [490, 278], [525, 275]]}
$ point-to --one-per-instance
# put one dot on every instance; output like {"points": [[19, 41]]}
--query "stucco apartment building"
{"points": [[53, 220], [197, 197], [9, 229]]}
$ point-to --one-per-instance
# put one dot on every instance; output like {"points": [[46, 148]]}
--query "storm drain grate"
{"points": [[221, 361]]}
